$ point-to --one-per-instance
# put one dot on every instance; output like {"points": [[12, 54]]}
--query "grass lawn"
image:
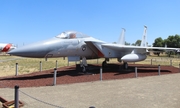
{"points": [[28, 65]]}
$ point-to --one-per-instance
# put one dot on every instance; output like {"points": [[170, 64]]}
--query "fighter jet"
{"points": [[80, 47], [5, 47]]}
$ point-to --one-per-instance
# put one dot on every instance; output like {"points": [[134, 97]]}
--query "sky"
{"points": [[26, 21]]}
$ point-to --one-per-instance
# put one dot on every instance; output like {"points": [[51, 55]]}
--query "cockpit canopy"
{"points": [[71, 35]]}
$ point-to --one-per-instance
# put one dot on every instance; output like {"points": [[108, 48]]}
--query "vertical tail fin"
{"points": [[122, 37], [143, 42]]}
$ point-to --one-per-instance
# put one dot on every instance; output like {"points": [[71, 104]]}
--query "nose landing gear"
{"points": [[83, 64]]}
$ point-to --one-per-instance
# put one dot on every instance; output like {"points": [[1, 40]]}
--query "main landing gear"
{"points": [[104, 63], [83, 64], [125, 65]]}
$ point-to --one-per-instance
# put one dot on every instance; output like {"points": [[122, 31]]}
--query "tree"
{"points": [[173, 41], [158, 42], [138, 43], [133, 44], [126, 43]]}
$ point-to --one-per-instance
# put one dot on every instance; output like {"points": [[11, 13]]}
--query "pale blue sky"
{"points": [[28, 21]]}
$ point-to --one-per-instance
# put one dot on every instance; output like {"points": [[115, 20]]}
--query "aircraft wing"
{"points": [[125, 49], [129, 53], [118, 51], [162, 48], [116, 46]]}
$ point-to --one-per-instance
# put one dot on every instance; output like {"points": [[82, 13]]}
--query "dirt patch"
{"points": [[67, 75]]}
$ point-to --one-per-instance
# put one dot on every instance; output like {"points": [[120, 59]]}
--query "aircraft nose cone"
{"points": [[17, 51], [36, 51]]}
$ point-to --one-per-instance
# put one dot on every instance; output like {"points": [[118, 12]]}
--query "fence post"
{"points": [[40, 63], [159, 70], [170, 62], [16, 69], [56, 64], [101, 73], [55, 73], [16, 100], [151, 61], [136, 75]]}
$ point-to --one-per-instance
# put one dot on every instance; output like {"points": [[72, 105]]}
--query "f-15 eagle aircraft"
{"points": [[5, 47], [77, 46]]}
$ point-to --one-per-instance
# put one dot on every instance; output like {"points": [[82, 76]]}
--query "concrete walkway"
{"points": [[147, 92]]}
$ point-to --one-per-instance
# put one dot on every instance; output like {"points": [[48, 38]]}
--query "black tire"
{"points": [[104, 64], [125, 65]]}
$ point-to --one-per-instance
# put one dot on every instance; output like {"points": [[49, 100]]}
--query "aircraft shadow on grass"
{"points": [[92, 69]]}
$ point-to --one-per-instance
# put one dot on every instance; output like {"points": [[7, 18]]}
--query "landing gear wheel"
{"points": [[125, 65], [83, 69]]}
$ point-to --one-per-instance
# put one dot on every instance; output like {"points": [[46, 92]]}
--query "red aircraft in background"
{"points": [[5, 47]]}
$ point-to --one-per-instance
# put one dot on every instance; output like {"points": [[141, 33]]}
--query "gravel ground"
{"points": [[68, 75]]}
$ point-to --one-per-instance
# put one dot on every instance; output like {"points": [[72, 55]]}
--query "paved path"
{"points": [[147, 92]]}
